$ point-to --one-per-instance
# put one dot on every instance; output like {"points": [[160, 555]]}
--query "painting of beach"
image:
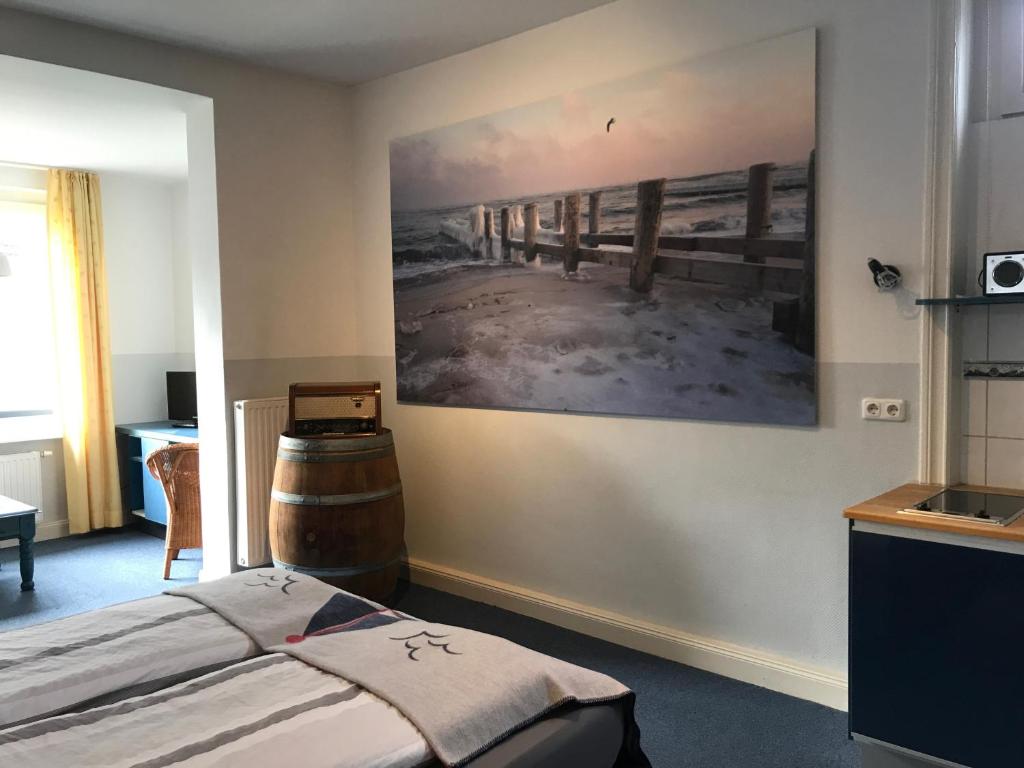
{"points": [[642, 247]]}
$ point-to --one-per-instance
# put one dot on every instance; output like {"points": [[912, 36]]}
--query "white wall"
{"points": [[139, 245], [283, 163], [181, 258], [283, 170], [728, 532], [149, 291]]}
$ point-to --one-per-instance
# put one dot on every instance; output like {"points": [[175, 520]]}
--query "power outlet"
{"points": [[883, 409]]}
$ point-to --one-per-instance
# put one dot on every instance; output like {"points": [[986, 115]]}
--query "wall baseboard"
{"points": [[56, 529], [737, 662]]}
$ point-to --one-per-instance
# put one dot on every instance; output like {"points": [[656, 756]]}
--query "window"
{"points": [[28, 392]]}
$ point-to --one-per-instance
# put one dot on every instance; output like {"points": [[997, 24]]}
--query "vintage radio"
{"points": [[334, 410]]}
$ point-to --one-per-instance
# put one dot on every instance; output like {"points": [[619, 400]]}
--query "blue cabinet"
{"points": [[935, 632], [153, 498], [130, 452], [141, 493]]}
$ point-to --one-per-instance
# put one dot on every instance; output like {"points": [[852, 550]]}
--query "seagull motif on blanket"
{"points": [[273, 581], [429, 638]]}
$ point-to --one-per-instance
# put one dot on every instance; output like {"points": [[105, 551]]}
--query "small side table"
{"points": [[18, 521]]}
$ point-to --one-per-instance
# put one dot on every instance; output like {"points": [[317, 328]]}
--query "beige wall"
{"points": [[143, 236], [730, 532], [283, 161], [282, 147]]}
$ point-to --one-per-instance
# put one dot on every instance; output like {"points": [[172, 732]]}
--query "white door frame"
{"points": [[215, 466], [940, 384]]}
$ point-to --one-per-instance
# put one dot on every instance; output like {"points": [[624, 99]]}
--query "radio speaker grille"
{"points": [[336, 407]]}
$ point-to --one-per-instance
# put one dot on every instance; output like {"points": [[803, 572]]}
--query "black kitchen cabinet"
{"points": [[937, 649]]}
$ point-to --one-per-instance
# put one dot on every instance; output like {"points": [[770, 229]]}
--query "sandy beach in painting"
{"points": [[521, 337]]}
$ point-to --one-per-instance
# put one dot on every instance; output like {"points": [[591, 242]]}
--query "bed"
{"points": [[267, 665]]}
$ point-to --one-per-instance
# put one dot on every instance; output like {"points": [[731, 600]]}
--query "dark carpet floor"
{"points": [[79, 573], [688, 718]]}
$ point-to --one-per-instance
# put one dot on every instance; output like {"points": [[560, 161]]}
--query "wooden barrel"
{"points": [[336, 511]]}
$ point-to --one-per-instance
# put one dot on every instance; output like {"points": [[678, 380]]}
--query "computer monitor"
{"points": [[181, 398]]}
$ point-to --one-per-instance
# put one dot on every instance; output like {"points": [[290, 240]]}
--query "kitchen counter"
{"points": [[934, 615], [885, 509]]}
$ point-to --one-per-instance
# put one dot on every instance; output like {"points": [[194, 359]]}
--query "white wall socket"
{"points": [[883, 409]]}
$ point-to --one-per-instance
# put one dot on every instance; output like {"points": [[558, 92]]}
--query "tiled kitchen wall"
{"points": [[993, 446], [993, 416]]}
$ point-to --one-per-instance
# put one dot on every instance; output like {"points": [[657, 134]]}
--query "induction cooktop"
{"points": [[990, 508]]}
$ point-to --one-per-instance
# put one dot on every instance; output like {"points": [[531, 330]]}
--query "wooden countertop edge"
{"points": [[885, 509]]}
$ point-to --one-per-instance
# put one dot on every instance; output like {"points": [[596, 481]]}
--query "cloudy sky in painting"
{"points": [[721, 112]]}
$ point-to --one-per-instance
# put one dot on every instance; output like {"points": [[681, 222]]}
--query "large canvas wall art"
{"points": [[641, 247]]}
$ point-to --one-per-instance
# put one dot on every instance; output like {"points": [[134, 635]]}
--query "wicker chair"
{"points": [[176, 466]]}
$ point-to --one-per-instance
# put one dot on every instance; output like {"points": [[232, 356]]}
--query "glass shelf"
{"points": [[970, 301]]}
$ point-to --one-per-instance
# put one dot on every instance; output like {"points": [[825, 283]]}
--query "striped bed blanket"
{"points": [[265, 665], [121, 651]]}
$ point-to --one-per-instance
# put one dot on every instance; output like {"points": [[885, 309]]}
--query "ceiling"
{"points": [[349, 41], [60, 117]]}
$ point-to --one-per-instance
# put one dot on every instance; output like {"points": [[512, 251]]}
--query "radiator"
{"points": [[258, 425], [21, 478]]}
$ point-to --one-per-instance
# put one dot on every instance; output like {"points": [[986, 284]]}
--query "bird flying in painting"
{"points": [[608, 127]]}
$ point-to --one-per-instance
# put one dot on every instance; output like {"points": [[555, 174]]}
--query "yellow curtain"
{"points": [[79, 285]]}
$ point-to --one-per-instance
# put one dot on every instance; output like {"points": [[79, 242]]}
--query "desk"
{"points": [[142, 494], [18, 520]]}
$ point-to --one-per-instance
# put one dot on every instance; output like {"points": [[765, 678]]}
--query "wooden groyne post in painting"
{"points": [[571, 233], [531, 223], [506, 234], [649, 198], [594, 213], [781, 266], [759, 203], [804, 334]]}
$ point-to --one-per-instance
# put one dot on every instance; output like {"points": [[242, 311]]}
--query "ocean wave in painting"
{"points": [[709, 203]]}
